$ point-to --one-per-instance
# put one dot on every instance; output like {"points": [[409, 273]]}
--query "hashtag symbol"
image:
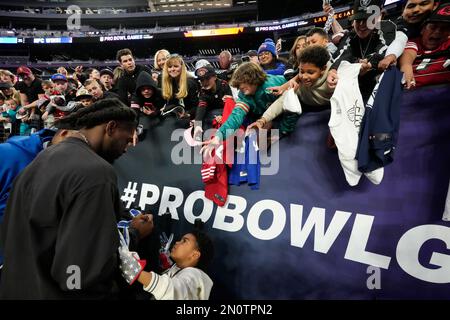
{"points": [[129, 194]]}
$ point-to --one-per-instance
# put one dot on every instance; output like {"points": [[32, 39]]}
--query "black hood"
{"points": [[145, 79]]}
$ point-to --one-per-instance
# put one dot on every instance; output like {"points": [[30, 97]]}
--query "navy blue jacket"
{"points": [[380, 125]]}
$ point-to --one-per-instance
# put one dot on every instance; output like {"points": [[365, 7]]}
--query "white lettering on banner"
{"points": [[208, 207], [231, 218], [235, 214], [408, 249], [323, 240], [356, 248], [126, 37], [171, 205], [145, 199], [281, 26], [278, 222]]}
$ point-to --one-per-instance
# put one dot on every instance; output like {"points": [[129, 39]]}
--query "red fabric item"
{"points": [[432, 72], [228, 153], [142, 263], [59, 114], [228, 107], [214, 171], [164, 261], [208, 171], [216, 189]]}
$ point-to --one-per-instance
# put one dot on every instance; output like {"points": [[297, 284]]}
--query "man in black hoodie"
{"points": [[126, 84]]}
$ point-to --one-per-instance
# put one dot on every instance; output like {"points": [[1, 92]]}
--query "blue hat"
{"points": [[58, 76], [268, 45]]}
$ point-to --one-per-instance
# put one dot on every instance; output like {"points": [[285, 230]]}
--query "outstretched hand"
{"points": [[257, 125], [410, 82], [209, 146], [332, 78]]}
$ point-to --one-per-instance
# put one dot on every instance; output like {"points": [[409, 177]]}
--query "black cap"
{"points": [[5, 85], [441, 14], [205, 72], [360, 9], [252, 53], [107, 71]]}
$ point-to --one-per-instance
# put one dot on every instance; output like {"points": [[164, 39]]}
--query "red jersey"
{"points": [[430, 66]]}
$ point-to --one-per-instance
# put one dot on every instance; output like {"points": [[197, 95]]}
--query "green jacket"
{"points": [[255, 105]]}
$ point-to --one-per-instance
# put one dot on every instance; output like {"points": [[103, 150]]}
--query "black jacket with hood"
{"points": [[155, 102]]}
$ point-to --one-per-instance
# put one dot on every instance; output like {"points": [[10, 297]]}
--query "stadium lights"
{"points": [[213, 32]]}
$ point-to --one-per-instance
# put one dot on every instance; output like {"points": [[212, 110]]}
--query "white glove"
{"points": [[130, 264]]}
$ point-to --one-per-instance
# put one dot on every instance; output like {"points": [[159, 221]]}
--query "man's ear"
{"points": [[64, 132], [111, 126]]}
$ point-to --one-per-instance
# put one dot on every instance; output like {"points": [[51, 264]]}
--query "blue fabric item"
{"points": [[246, 167], [380, 125], [58, 76], [17, 152], [278, 71]]}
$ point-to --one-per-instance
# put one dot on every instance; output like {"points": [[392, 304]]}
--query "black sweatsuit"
{"points": [[61, 217]]}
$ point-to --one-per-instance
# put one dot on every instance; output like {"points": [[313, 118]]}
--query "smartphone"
{"points": [[245, 59]]}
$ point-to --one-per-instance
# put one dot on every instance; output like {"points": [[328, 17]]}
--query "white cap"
{"points": [[201, 63]]}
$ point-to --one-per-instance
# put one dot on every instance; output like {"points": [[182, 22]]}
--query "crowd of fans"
{"points": [[417, 43]]}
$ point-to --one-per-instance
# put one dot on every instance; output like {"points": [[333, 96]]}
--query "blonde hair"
{"points": [[4, 72], [118, 72], [62, 70], [167, 87], [11, 99], [163, 51], [293, 59], [15, 95]]}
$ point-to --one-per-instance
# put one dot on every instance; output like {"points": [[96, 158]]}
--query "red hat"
{"points": [[24, 70], [441, 14]]}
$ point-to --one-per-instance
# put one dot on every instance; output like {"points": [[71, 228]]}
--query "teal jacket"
{"points": [[255, 105]]}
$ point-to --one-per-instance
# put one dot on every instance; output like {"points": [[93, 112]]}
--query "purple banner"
{"points": [[306, 234]]}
